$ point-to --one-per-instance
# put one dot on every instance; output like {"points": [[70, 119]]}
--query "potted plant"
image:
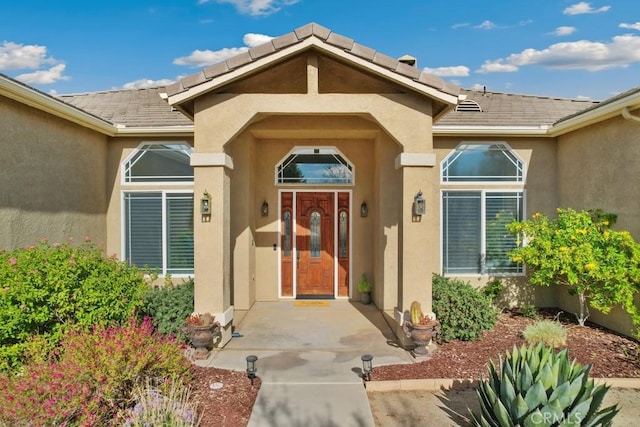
{"points": [[201, 328], [421, 328], [364, 287]]}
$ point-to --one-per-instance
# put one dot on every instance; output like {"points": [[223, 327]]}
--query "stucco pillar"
{"points": [[419, 244], [212, 239]]}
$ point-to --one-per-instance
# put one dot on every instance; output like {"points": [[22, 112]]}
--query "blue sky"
{"points": [[563, 48]]}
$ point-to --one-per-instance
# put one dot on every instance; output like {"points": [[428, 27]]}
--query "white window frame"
{"points": [[483, 230], [469, 182], [124, 163], [124, 237], [297, 150]]}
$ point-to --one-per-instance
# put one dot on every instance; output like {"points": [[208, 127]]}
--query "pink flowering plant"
{"points": [[92, 377], [47, 289]]}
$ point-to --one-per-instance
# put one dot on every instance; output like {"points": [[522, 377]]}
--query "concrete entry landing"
{"points": [[309, 360]]}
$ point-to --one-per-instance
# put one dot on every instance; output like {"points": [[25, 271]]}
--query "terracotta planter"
{"points": [[421, 336]]}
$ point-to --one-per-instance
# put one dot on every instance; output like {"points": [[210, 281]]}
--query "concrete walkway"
{"points": [[309, 361]]}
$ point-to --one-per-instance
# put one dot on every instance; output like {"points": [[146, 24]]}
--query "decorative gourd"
{"points": [[416, 313]]}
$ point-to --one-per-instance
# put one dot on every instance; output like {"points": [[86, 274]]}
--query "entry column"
{"points": [[212, 261]]}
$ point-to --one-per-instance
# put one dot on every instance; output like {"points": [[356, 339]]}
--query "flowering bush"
{"points": [[93, 377], [48, 289], [154, 408], [580, 250]]}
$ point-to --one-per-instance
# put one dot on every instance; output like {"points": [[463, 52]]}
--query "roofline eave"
{"points": [[40, 101], [312, 42], [598, 114], [489, 131]]}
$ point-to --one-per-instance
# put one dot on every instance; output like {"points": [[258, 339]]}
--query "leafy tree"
{"points": [[581, 251]]}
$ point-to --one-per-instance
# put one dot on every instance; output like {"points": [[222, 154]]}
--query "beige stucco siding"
{"points": [[52, 179], [598, 168]]}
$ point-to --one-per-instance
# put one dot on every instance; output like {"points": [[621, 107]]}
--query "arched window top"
{"points": [[482, 162], [159, 162], [307, 165]]}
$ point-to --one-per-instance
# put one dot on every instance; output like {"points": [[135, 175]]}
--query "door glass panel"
{"points": [[286, 245], [314, 226], [343, 234]]}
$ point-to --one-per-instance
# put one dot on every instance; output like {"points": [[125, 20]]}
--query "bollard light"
{"points": [[367, 366], [251, 367]]}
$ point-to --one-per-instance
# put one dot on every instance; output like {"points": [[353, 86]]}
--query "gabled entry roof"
{"points": [[311, 36]]}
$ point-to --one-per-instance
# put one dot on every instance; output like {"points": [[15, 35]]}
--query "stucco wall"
{"points": [[598, 168], [52, 180]]}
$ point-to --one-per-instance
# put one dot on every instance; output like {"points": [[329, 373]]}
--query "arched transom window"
{"points": [[314, 166], [165, 162], [482, 162]]}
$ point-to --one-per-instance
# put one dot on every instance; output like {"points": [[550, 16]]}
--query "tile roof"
{"points": [[325, 35], [604, 103], [131, 108], [506, 109]]}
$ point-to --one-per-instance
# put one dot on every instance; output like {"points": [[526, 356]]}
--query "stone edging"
{"points": [[448, 384]]}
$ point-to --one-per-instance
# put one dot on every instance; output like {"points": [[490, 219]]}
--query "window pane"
{"points": [[482, 162], [343, 231], [462, 237], [180, 233], [501, 209], [287, 234], [143, 229], [315, 166], [314, 226], [160, 163]]}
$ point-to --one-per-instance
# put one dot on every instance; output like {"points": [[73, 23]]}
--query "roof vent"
{"points": [[408, 59], [469, 105]]}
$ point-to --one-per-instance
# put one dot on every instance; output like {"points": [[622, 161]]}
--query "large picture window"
{"points": [[475, 238], [474, 235], [159, 231], [158, 218]]}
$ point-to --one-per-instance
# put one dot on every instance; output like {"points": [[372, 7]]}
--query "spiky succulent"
{"points": [[536, 386]]}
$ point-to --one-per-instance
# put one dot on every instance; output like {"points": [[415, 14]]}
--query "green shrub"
{"points": [[168, 306], [493, 289], [463, 311], [537, 386], [48, 289], [530, 311], [93, 378], [547, 332]]}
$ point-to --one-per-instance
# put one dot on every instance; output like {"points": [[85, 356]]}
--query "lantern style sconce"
{"points": [[364, 209], [419, 204], [205, 203], [251, 367], [264, 210], [367, 366]]}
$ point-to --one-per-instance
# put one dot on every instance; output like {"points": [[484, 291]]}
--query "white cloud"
{"points": [[564, 31], [147, 83], [478, 87], [584, 7], [255, 7], [44, 77], [635, 26], [253, 40], [204, 58], [14, 56], [486, 25], [456, 26], [583, 98], [455, 71], [583, 54]]}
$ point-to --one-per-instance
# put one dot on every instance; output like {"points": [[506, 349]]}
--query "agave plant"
{"points": [[538, 387]]}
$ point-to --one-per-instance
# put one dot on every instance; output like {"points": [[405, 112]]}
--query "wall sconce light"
{"points": [[251, 367], [367, 366], [205, 203], [264, 210], [364, 209], [419, 205]]}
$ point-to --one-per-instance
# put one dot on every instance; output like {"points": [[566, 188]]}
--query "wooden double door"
{"points": [[314, 247]]}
